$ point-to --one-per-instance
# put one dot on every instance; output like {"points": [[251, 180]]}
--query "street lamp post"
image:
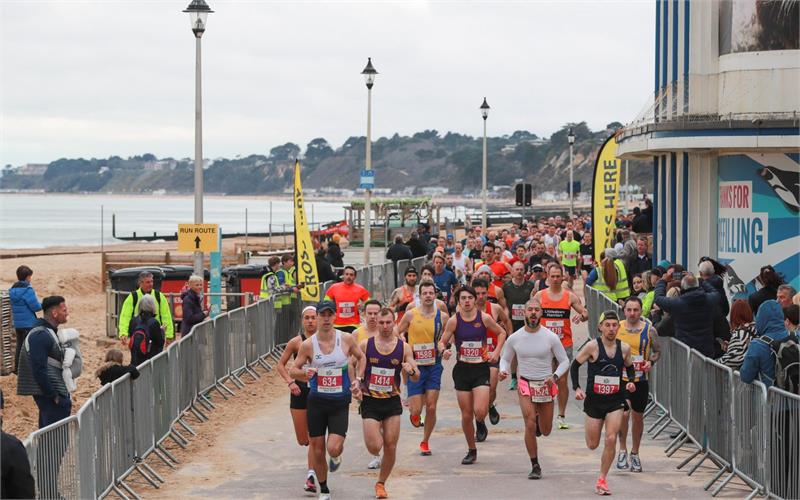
{"points": [[484, 114], [198, 12], [369, 78], [571, 139]]}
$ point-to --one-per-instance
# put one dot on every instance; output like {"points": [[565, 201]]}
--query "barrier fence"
{"points": [[126, 423], [745, 430]]}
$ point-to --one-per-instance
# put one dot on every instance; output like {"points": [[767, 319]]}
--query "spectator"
{"points": [[270, 285], [24, 306], [641, 261], [114, 369], [742, 331], [40, 370], [643, 222], [637, 287], [770, 281], [610, 276], [417, 246], [131, 306], [147, 336], [722, 329], [16, 480], [424, 231], [791, 315], [663, 321], [785, 294], [399, 250], [324, 269], [693, 325], [192, 303], [759, 360], [649, 280], [335, 253]]}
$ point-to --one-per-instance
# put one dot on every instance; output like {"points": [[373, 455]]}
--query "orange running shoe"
{"points": [[380, 491], [416, 420], [424, 450], [601, 488]]}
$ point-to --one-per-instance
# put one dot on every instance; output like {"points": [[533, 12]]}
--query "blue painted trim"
{"points": [[658, 47], [722, 132], [675, 32], [673, 197], [656, 201], [687, 9], [664, 34], [663, 221], [685, 194]]}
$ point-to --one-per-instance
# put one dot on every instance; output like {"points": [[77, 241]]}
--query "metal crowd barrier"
{"points": [[745, 430]]}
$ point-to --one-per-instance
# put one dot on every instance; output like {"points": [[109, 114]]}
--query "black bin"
{"points": [[243, 278]]}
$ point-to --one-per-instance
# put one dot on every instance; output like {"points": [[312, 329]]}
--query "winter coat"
{"points": [[40, 367], [694, 326], [111, 371], [418, 248], [24, 304], [759, 360], [193, 313], [17, 481], [758, 297], [399, 251]]}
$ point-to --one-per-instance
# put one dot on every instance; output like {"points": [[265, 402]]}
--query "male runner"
{"points": [[556, 305], [495, 262], [298, 389], [498, 314], [426, 274], [404, 295], [568, 251], [368, 330], [604, 398], [386, 356], [471, 374], [348, 296], [423, 327], [641, 335], [324, 360], [495, 292], [534, 347], [517, 293]]}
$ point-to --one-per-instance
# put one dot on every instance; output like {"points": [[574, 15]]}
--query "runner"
{"points": [[404, 295], [324, 360], [423, 328], [366, 331], [471, 373], [587, 255], [386, 356], [426, 274], [534, 347], [493, 259], [604, 400], [347, 295], [495, 292], [640, 334], [556, 305], [517, 293], [568, 251], [298, 390], [501, 317]]}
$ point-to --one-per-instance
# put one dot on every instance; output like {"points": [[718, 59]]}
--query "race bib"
{"points": [[556, 326], [587, 260], [381, 379], [606, 385], [424, 354], [329, 380], [347, 309], [540, 392], [471, 352], [638, 365], [518, 312], [570, 256], [489, 345]]}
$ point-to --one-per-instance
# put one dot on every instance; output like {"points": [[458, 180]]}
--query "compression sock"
{"points": [[323, 487]]}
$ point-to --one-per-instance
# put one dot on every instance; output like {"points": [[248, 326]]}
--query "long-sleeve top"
{"points": [[24, 304], [737, 346], [534, 352], [759, 360]]}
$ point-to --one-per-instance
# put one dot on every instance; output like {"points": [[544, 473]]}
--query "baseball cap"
{"points": [[326, 305], [411, 270]]}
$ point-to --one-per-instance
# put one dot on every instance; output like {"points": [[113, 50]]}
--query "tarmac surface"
{"points": [[262, 460]]}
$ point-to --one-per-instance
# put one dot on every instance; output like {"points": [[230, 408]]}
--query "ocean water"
{"points": [[42, 220]]}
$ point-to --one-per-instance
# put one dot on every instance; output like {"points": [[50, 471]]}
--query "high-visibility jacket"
{"points": [[287, 279], [269, 285], [130, 310], [621, 291]]}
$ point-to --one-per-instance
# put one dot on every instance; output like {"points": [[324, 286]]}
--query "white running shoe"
{"points": [[375, 463], [324, 496], [622, 460], [636, 464]]}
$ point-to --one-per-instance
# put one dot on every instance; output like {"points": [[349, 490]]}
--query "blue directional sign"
{"points": [[367, 179]]}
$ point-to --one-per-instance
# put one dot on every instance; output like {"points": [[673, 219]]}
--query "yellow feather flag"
{"points": [[304, 250], [605, 197]]}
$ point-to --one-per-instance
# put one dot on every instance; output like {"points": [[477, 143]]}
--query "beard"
{"points": [[532, 322]]}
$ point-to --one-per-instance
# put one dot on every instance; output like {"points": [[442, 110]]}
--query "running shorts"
{"points": [[468, 376], [638, 399], [599, 407], [325, 416], [381, 408], [570, 270], [299, 402], [346, 329], [430, 379]]}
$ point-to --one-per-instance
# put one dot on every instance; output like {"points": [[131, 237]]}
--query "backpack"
{"points": [[787, 362], [140, 339]]}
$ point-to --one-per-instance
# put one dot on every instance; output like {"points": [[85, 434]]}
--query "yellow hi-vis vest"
{"points": [[621, 291], [265, 293]]}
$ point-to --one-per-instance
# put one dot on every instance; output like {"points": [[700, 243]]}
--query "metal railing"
{"points": [[127, 422], [745, 430]]}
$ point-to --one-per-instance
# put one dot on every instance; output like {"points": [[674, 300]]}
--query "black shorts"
{"points": [[638, 400], [299, 402], [468, 376], [323, 416], [346, 329], [570, 270], [600, 406], [381, 408]]}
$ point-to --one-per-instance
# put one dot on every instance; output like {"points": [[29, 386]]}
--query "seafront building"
{"points": [[722, 132]]}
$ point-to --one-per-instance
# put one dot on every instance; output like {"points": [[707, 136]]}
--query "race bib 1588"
{"points": [[424, 354]]}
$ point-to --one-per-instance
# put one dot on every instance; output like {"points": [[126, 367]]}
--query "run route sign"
{"points": [[198, 238]]}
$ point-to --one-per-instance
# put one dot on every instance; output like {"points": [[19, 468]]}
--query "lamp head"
{"points": [[198, 12], [369, 73], [485, 109]]}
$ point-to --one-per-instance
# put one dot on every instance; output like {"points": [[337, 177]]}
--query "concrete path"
{"points": [[258, 458]]}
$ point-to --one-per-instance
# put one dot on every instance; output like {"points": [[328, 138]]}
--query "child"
{"points": [[114, 369], [72, 365]]}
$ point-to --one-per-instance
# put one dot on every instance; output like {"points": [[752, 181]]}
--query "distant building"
{"points": [[434, 191], [508, 149], [32, 169]]}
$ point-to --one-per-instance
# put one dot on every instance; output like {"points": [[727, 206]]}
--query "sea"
{"points": [[43, 220]]}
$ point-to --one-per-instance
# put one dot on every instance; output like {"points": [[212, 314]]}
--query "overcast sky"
{"points": [[103, 77]]}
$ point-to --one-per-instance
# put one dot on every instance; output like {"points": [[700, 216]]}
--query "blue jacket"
{"points": [[692, 312], [759, 360], [24, 304]]}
